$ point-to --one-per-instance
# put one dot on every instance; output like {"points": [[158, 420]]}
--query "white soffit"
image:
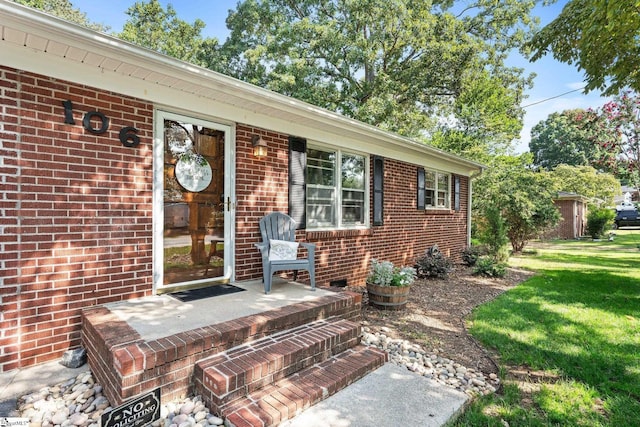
{"points": [[40, 33]]}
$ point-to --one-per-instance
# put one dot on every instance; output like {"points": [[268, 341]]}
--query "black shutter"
{"points": [[420, 201], [378, 187], [456, 193], [297, 180]]}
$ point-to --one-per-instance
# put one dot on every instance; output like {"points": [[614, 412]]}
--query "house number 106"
{"points": [[127, 135]]}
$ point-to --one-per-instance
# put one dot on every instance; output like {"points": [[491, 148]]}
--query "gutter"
{"points": [[469, 202]]}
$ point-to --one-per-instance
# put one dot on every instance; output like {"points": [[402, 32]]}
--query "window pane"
{"points": [[320, 206], [443, 182], [321, 167], [429, 179], [442, 199], [352, 171], [429, 196], [352, 207]]}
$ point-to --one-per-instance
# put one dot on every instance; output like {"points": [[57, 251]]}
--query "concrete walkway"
{"points": [[388, 397], [19, 382]]}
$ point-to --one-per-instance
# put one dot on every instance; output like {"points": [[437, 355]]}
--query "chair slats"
{"points": [[280, 226]]}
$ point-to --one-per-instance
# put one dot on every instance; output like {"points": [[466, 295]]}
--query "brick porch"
{"points": [[266, 367]]}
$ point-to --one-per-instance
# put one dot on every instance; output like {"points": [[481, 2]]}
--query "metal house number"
{"points": [[128, 136]]}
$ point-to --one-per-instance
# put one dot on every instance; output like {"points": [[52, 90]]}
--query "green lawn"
{"points": [[576, 323]]}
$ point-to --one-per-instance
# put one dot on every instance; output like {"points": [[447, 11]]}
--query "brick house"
{"points": [[573, 216], [93, 131]]}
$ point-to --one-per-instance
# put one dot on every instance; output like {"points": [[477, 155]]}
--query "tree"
{"points": [[484, 121], [398, 64], [523, 196], [599, 187], [564, 138], [151, 26], [620, 152], [602, 37], [65, 10]]}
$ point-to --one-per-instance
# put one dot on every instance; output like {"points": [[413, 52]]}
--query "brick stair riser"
{"points": [[288, 397], [129, 366], [228, 376]]}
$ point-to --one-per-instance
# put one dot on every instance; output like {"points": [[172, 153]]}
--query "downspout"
{"points": [[471, 177]]}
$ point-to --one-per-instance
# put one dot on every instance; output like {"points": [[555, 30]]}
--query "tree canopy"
{"points": [[523, 196], [599, 187], [601, 37], [432, 70], [151, 26], [619, 125], [403, 65], [65, 10], [564, 138]]}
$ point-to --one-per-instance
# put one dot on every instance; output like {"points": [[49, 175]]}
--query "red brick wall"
{"points": [[76, 212], [262, 187], [570, 221]]}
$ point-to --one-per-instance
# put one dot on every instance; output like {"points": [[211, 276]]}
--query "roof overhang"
{"points": [[40, 43]]}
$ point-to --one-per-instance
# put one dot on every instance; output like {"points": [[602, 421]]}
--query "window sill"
{"points": [[441, 211], [333, 234]]}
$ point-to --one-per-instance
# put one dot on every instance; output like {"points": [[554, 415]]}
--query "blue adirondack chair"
{"points": [[279, 249]]}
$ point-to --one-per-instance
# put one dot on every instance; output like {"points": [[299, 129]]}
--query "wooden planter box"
{"points": [[388, 297]]}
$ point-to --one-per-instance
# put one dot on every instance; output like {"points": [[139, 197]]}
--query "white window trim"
{"points": [[447, 205], [338, 193]]}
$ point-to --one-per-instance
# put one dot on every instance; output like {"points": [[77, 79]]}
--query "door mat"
{"points": [[209, 291]]}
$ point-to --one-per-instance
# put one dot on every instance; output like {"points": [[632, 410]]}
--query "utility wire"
{"points": [[553, 97]]}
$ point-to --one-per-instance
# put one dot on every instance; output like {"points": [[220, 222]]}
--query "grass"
{"points": [[577, 325]]}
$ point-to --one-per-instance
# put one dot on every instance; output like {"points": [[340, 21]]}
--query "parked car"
{"points": [[627, 218]]}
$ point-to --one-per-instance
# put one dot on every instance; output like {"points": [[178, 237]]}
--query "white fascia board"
{"points": [[319, 124]]}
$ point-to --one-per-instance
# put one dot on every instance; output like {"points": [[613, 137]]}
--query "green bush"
{"points": [[433, 264], [494, 234], [486, 266], [599, 220], [470, 255]]}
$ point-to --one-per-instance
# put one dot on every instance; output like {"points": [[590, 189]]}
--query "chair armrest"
{"points": [[311, 249], [264, 249]]}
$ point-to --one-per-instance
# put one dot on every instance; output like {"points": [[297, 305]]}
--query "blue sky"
{"points": [[553, 78]]}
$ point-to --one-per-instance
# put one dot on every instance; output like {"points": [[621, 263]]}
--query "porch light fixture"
{"points": [[259, 146]]}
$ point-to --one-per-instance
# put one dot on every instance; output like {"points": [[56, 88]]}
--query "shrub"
{"points": [[433, 264], [470, 255], [385, 274], [487, 266], [599, 220], [494, 234]]}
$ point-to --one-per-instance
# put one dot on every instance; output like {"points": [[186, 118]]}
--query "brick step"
{"points": [[241, 370], [288, 397]]}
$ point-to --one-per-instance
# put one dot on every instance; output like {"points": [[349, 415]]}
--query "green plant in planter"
{"points": [[384, 273]]}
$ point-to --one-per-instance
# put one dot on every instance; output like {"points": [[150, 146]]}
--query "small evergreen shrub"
{"points": [[599, 220], [486, 266], [433, 264], [470, 255], [493, 234]]}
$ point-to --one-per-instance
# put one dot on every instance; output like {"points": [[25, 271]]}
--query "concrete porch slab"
{"points": [[162, 315]]}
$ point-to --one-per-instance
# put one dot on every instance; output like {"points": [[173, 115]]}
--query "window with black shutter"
{"points": [[297, 180], [420, 196], [378, 186], [456, 193]]}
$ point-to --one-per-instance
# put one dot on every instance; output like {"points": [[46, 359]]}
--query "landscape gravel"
{"points": [[429, 364], [79, 402]]}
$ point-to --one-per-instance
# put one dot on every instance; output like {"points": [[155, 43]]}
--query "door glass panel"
{"points": [[193, 233]]}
